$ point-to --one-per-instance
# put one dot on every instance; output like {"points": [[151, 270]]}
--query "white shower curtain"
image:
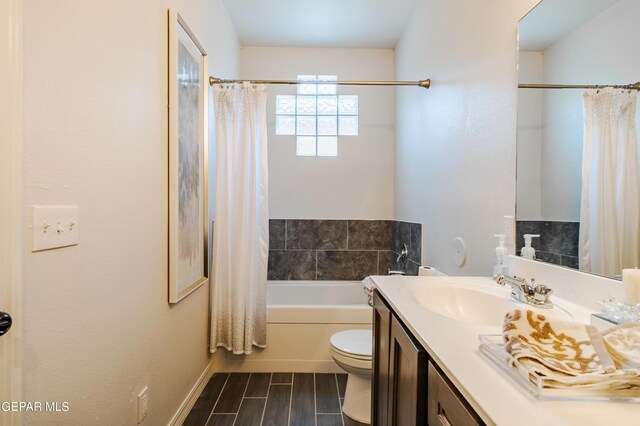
{"points": [[241, 222], [610, 209]]}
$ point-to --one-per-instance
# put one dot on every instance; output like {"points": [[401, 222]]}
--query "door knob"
{"points": [[5, 322]]}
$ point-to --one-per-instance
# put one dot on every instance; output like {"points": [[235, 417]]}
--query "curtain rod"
{"points": [[634, 86], [420, 83]]}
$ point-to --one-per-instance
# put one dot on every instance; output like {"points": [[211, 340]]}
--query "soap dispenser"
{"points": [[501, 253], [527, 251]]}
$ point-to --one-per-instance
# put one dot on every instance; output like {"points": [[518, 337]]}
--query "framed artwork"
{"points": [[188, 165]]}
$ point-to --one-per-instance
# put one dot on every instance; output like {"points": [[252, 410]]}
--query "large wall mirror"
{"points": [[579, 42]]}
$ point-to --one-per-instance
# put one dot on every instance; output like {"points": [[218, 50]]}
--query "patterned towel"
{"points": [[565, 354]]}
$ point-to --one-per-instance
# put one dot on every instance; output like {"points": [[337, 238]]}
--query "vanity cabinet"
{"points": [[380, 380], [407, 387], [399, 386]]}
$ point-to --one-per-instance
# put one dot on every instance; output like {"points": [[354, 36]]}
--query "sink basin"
{"points": [[477, 304]]}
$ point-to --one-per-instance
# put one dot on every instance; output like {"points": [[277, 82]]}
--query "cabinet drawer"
{"points": [[446, 407]]}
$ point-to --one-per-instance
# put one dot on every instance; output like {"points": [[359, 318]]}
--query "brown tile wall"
{"points": [[340, 249]]}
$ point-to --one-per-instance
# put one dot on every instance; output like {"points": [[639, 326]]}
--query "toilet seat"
{"points": [[350, 355], [355, 344]]}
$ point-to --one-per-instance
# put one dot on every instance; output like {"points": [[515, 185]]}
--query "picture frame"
{"points": [[188, 94]]}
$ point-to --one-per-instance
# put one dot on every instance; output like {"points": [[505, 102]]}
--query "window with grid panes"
{"points": [[317, 115]]}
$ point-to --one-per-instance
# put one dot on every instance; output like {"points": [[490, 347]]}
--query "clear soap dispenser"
{"points": [[527, 251], [501, 254]]}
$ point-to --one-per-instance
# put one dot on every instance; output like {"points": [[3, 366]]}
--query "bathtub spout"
{"points": [[393, 272]]}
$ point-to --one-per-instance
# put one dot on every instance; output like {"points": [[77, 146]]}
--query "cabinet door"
{"points": [[408, 378], [446, 406], [380, 383]]}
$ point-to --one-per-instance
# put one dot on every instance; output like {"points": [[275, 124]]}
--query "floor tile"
{"points": [[281, 378], [277, 411], [221, 420], [327, 400], [329, 420], [231, 396], [258, 385], [251, 411], [302, 400], [342, 384], [207, 399]]}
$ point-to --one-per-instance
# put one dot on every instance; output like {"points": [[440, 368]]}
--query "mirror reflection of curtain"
{"points": [[241, 227], [610, 206]]}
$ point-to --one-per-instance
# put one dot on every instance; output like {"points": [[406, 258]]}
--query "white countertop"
{"points": [[453, 345]]}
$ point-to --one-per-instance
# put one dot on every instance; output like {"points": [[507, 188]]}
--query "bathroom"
{"points": [[91, 79]]}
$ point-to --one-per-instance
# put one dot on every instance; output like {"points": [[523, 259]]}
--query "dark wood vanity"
{"points": [[408, 388]]}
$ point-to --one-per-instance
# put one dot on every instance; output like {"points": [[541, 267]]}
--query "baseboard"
{"points": [[227, 363], [186, 406]]}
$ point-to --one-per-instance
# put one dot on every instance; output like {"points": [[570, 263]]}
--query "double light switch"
{"points": [[54, 227]]}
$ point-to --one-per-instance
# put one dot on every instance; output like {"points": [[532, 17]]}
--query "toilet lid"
{"points": [[354, 342]]}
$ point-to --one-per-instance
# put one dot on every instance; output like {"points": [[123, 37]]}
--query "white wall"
{"points": [[97, 325], [598, 52], [456, 149], [358, 183], [529, 138]]}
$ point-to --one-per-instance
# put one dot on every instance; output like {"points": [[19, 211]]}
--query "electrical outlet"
{"points": [[510, 232], [143, 404]]}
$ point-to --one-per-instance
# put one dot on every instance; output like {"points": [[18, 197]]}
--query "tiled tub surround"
{"points": [[558, 242], [308, 249]]}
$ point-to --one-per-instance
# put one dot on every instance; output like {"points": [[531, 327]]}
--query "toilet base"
{"points": [[357, 398]]}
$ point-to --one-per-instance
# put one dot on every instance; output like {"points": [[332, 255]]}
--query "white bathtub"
{"points": [[317, 302], [301, 317]]}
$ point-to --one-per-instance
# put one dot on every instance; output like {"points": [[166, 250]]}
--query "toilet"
{"points": [[351, 350]]}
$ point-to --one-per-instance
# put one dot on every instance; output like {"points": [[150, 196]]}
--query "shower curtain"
{"points": [[241, 222], [610, 209]]}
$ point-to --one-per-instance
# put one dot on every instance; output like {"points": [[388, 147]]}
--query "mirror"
{"points": [[569, 42]]}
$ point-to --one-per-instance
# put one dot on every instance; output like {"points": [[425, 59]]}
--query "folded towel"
{"points": [[572, 355], [616, 381], [563, 347], [623, 344]]}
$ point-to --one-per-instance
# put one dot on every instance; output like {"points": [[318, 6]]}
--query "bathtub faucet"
{"points": [[402, 257], [401, 260]]}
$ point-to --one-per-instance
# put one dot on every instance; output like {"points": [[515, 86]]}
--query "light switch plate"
{"points": [[54, 227]]}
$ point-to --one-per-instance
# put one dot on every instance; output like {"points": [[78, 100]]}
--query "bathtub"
{"points": [[301, 317], [317, 302]]}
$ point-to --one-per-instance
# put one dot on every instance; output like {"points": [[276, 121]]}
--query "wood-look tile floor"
{"points": [[271, 399]]}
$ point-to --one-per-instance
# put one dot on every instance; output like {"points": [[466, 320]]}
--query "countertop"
{"points": [[453, 345]]}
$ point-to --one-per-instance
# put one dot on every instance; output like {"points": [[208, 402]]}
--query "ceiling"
{"points": [[320, 23], [553, 19]]}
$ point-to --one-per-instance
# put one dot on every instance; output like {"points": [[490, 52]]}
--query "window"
{"points": [[317, 115]]}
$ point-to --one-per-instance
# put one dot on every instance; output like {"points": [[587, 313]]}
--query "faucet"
{"points": [[522, 291], [401, 260], [404, 253]]}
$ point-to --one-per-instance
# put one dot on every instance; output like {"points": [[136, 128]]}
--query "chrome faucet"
{"points": [[401, 261], [404, 253], [522, 291]]}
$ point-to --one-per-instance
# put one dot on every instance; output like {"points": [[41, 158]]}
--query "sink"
{"points": [[472, 303]]}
